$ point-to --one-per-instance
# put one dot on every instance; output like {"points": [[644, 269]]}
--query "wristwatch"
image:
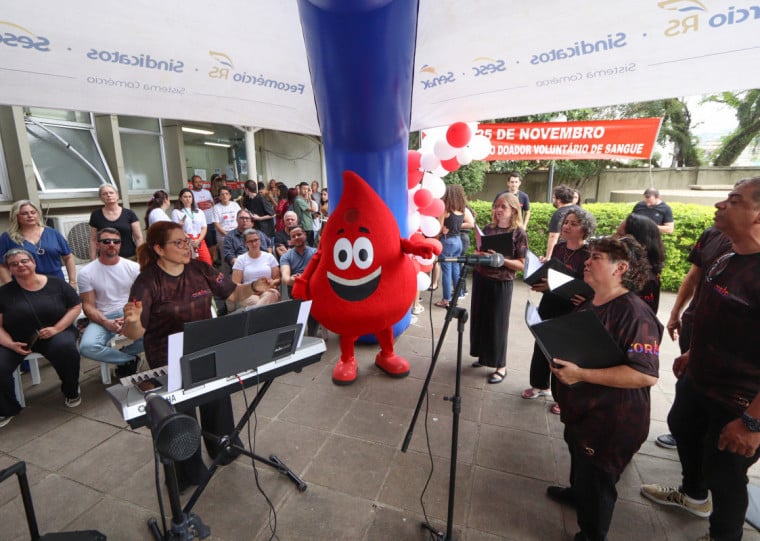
{"points": [[752, 423]]}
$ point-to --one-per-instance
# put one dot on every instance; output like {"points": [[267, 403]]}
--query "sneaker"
{"points": [[417, 309], [5, 420], [666, 441], [73, 402], [674, 497], [563, 495]]}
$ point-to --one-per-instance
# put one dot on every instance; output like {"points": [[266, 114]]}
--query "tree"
{"points": [[747, 107], [470, 176]]}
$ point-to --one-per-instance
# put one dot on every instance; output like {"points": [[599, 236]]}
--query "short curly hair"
{"points": [[586, 219], [627, 249]]}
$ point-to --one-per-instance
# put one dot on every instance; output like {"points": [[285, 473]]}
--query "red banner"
{"points": [[588, 140]]}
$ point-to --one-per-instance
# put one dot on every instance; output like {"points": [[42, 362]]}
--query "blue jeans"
{"points": [[452, 247], [94, 344]]}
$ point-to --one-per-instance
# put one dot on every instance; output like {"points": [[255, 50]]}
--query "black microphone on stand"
{"points": [[489, 260]]}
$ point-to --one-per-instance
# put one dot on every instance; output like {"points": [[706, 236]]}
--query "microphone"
{"points": [[489, 260]]}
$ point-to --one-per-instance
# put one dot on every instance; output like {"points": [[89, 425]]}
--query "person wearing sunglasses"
{"points": [[104, 286], [173, 289], [715, 416]]}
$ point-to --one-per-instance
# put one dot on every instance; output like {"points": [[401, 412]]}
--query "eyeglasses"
{"points": [[720, 264], [246, 218], [252, 240], [179, 243], [24, 262], [110, 241]]}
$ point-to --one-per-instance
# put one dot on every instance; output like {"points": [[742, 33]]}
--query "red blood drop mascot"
{"points": [[361, 279]]}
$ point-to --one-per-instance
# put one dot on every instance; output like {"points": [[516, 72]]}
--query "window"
{"points": [[66, 157], [142, 144]]}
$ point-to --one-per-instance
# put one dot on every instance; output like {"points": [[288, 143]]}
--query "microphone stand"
{"points": [[456, 402]]}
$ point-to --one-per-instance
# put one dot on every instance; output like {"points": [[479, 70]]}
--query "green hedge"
{"points": [[691, 221]]}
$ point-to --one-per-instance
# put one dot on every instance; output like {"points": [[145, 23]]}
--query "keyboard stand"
{"points": [[226, 442]]}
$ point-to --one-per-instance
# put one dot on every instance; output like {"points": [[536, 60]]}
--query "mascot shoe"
{"points": [[344, 372], [392, 364]]}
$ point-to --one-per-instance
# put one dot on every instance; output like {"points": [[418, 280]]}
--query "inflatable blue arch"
{"points": [[361, 59]]}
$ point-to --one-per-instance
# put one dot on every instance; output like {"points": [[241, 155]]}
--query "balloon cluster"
{"points": [[442, 151]]}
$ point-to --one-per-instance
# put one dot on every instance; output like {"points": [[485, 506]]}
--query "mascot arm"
{"points": [[301, 284], [422, 249]]}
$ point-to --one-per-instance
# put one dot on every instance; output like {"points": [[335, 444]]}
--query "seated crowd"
{"points": [[43, 310]]}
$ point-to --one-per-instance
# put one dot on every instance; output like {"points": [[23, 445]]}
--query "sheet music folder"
{"points": [[578, 337], [499, 242], [535, 271]]}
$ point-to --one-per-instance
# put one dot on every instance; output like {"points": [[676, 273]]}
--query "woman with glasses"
{"points": [[257, 268], [173, 289], [492, 290], [606, 410], [572, 252], [37, 313], [193, 222], [48, 247], [114, 215]]}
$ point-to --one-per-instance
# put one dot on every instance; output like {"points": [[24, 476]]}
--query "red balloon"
{"points": [[413, 159], [450, 165], [413, 178], [422, 198], [458, 135], [434, 209]]}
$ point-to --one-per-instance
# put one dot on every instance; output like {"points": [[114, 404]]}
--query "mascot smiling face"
{"points": [[363, 281]]}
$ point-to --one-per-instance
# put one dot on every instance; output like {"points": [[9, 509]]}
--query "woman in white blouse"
{"points": [[193, 222], [257, 267]]}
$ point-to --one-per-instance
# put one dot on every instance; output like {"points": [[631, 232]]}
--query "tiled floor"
{"points": [[90, 471]]}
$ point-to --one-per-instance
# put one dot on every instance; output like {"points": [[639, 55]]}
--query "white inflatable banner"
{"points": [[244, 62]]}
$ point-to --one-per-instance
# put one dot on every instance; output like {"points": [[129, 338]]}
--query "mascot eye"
{"points": [[364, 253], [342, 254]]}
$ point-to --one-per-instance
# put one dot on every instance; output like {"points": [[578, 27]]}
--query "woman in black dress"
{"points": [[646, 233], [114, 215], [492, 290], [572, 252]]}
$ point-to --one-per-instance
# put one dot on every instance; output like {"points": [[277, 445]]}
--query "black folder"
{"points": [[500, 242], [567, 286], [578, 337], [535, 271]]}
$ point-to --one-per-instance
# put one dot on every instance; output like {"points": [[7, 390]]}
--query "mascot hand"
{"points": [[420, 248], [300, 289]]}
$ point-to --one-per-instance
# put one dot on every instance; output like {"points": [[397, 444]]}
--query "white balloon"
{"points": [[428, 162], [435, 184], [464, 156], [473, 127], [427, 143], [439, 172], [423, 281], [480, 147], [430, 226], [443, 150], [413, 220]]}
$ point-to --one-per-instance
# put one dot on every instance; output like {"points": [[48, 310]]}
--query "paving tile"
{"points": [[514, 451], [34, 421], [512, 411], [116, 519], [439, 434], [352, 466], [65, 443], [296, 445], [317, 409], [380, 423]]}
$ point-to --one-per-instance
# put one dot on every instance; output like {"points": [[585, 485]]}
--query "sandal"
{"points": [[442, 304], [531, 393], [497, 377], [555, 409]]}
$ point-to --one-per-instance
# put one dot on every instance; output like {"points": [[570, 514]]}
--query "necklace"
{"points": [[39, 250]]}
